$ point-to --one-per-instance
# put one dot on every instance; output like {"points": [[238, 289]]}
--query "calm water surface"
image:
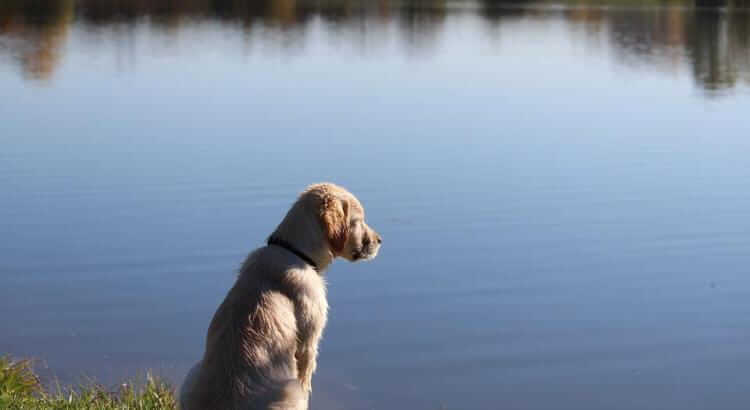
{"points": [[562, 189]]}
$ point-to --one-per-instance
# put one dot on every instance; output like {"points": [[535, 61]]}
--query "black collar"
{"points": [[286, 245]]}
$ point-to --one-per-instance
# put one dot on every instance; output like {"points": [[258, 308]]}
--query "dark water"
{"points": [[562, 189]]}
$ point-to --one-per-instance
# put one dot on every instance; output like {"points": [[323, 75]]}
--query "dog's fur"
{"points": [[262, 344]]}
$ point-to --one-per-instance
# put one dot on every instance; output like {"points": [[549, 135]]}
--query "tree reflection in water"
{"points": [[713, 41]]}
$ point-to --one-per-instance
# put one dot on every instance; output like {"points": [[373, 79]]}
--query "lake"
{"points": [[562, 189]]}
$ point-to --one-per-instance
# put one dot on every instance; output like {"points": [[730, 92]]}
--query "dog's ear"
{"points": [[335, 220]]}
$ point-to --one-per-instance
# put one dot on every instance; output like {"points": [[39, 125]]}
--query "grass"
{"points": [[21, 389]]}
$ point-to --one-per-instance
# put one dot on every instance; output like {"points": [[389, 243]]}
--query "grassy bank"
{"points": [[20, 388]]}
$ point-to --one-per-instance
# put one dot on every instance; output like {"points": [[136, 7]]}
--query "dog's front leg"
{"points": [[311, 320], [306, 364]]}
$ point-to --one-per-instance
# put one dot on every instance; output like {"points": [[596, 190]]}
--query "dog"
{"points": [[262, 343]]}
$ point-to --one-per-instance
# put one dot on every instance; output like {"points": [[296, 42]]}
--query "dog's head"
{"points": [[327, 222], [342, 219]]}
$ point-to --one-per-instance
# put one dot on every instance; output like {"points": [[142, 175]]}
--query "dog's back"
{"points": [[249, 361]]}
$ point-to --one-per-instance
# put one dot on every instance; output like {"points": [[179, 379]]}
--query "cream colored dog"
{"points": [[262, 344]]}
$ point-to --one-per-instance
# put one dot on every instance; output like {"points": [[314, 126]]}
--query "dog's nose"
{"points": [[379, 239]]}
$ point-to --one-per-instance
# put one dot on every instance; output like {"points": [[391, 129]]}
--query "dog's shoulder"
{"points": [[276, 269], [280, 273]]}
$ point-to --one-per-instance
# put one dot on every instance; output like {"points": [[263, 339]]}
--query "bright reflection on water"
{"points": [[562, 189]]}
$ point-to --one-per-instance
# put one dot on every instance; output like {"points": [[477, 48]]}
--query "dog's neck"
{"points": [[273, 241], [304, 236], [318, 259]]}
